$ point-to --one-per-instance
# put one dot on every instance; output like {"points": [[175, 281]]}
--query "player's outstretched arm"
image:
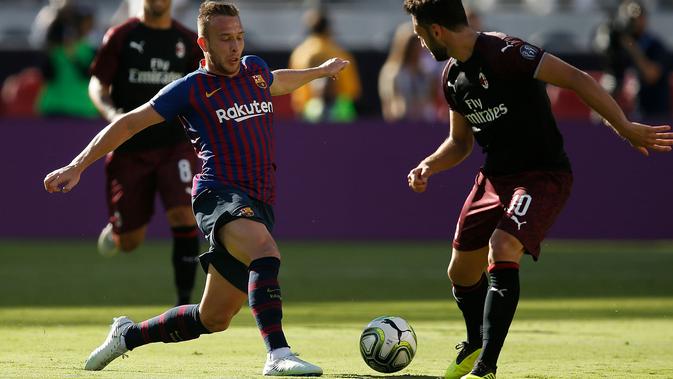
{"points": [[108, 139], [449, 154], [642, 137], [288, 80]]}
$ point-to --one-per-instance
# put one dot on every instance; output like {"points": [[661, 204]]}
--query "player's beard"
{"points": [[436, 49]]}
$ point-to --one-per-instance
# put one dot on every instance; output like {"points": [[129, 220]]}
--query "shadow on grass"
{"points": [[356, 376], [62, 273]]}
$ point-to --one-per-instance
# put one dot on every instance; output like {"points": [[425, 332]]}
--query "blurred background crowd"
{"points": [[46, 47]]}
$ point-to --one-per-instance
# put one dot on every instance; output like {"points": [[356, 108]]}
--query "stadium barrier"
{"points": [[347, 181]]}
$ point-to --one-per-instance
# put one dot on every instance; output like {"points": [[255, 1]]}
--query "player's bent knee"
{"points": [[217, 321], [467, 267], [464, 275], [504, 247], [128, 245], [180, 216]]}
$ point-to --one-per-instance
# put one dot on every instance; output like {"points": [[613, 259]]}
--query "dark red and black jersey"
{"points": [[508, 109], [137, 62]]}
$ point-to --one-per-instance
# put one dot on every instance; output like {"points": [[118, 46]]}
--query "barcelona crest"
{"points": [[259, 80], [247, 211]]}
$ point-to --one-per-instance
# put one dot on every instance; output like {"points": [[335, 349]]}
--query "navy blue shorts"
{"points": [[214, 208]]}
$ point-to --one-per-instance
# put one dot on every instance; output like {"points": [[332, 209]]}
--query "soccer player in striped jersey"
{"points": [[227, 110]]}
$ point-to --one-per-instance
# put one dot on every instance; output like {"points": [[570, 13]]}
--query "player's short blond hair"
{"points": [[209, 9]]}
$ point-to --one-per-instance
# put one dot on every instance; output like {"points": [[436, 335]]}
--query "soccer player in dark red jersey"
{"points": [[136, 60], [226, 108], [495, 87]]}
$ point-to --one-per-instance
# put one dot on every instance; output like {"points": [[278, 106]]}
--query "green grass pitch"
{"points": [[587, 310]]}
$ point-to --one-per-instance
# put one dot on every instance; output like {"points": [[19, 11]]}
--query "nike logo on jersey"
{"points": [[209, 94], [138, 46]]}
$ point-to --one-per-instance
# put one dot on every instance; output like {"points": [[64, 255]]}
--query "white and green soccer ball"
{"points": [[388, 344]]}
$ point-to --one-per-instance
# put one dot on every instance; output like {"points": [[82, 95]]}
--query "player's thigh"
{"points": [[220, 302], [504, 247], [214, 210], [174, 182], [478, 218], [467, 267], [130, 189], [533, 202], [247, 240]]}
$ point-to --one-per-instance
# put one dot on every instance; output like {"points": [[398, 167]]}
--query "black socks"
{"points": [[186, 248], [470, 301], [501, 302]]}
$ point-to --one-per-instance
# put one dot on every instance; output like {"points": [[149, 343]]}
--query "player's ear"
{"points": [[436, 30], [203, 43]]}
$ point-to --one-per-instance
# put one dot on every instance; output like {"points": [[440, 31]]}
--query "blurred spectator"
{"points": [[406, 87], [474, 19], [20, 92], [342, 93], [327, 104], [44, 18], [626, 43], [65, 90], [134, 8]]}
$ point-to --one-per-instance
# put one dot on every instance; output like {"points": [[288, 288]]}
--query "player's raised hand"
{"points": [[333, 66], [62, 180], [418, 178], [645, 137]]}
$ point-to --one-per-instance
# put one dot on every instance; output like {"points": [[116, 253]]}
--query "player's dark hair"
{"points": [[447, 13], [209, 9]]}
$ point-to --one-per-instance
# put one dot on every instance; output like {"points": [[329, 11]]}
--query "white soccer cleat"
{"points": [[106, 244], [290, 365], [112, 347]]}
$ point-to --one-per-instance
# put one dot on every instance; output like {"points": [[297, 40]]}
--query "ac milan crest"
{"points": [[483, 81], [180, 49]]}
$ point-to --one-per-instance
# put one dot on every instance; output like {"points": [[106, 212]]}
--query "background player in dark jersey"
{"points": [[136, 59], [226, 108], [494, 85]]}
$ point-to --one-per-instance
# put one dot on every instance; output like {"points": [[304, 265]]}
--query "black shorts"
{"points": [[214, 208]]}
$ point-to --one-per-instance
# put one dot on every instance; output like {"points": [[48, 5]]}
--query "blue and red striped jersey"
{"points": [[230, 123]]}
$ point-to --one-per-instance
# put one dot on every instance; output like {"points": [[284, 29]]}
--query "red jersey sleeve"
{"points": [[105, 64]]}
